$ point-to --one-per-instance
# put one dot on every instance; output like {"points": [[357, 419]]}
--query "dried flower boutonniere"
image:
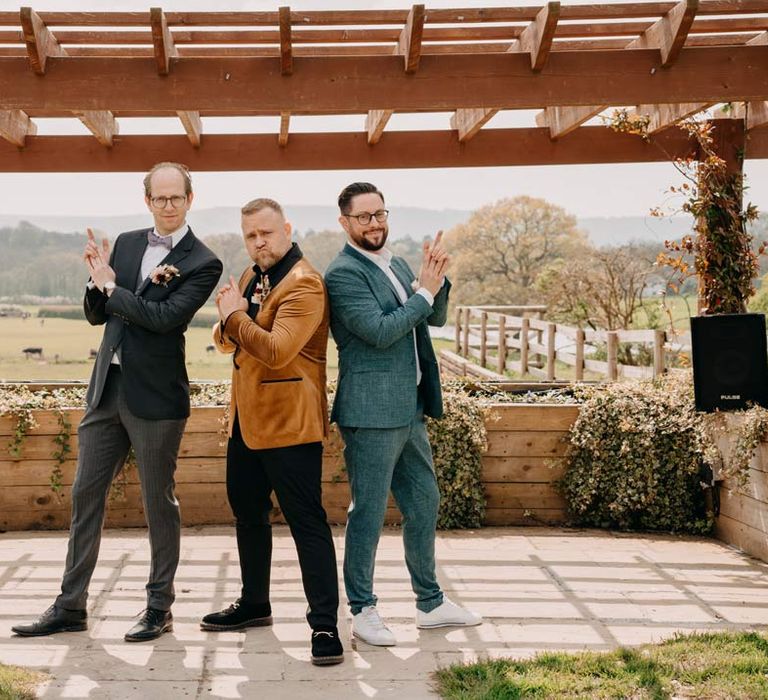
{"points": [[163, 274], [261, 290]]}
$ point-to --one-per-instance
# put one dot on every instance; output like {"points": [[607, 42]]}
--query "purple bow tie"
{"points": [[164, 241]]}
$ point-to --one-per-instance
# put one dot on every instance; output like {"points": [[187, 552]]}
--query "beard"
{"points": [[365, 244]]}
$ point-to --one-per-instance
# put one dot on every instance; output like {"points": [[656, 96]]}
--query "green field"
{"points": [[66, 345]]}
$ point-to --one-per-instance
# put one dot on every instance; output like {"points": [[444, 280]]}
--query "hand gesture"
{"points": [[229, 300], [433, 265], [97, 259]]}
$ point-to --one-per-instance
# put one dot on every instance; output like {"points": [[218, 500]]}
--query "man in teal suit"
{"points": [[388, 382]]}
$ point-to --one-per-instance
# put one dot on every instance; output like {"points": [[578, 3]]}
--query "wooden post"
{"points": [[502, 358], [483, 337], [579, 354], [551, 330], [458, 330], [524, 328], [613, 351], [659, 338], [465, 330]]}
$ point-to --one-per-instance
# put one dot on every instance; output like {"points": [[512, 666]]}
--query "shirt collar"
{"points": [[383, 258], [176, 235]]}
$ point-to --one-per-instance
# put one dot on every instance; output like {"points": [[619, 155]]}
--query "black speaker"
{"points": [[730, 361]]}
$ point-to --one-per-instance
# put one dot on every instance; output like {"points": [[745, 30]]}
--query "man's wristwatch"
{"points": [[109, 287]]}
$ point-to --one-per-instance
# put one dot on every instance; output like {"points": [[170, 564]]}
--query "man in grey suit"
{"points": [[146, 291], [388, 382]]}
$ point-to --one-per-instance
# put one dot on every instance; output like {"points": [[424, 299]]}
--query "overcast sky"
{"points": [[597, 190]]}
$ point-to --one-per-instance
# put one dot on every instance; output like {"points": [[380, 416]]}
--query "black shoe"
{"points": [[153, 623], [54, 620], [326, 647], [238, 616]]}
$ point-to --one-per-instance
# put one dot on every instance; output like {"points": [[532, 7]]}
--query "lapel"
{"points": [[134, 252], [180, 251], [402, 274], [376, 274]]}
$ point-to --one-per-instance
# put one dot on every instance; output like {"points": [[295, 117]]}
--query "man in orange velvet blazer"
{"points": [[275, 323]]}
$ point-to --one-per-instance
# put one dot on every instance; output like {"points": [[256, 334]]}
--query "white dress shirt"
{"points": [[383, 260]]}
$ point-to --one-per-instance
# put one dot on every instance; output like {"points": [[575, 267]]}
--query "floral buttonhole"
{"points": [[261, 291], [163, 274]]}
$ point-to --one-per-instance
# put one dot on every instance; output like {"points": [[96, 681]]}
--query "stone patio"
{"points": [[539, 589]]}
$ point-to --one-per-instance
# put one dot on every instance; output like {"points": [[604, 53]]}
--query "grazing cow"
{"points": [[92, 353], [33, 352], [210, 348]]}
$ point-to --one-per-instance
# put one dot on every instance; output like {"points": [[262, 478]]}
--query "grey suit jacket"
{"points": [[145, 326], [373, 330]]}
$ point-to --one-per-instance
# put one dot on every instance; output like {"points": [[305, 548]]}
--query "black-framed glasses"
{"points": [[162, 202], [365, 218]]}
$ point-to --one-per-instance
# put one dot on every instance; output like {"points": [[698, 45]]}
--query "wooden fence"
{"points": [[518, 339]]}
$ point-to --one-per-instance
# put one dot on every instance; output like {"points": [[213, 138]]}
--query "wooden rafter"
{"points": [[344, 151], [164, 46], [665, 115], [409, 44], [667, 34], [375, 123], [102, 125], [286, 48], [15, 126], [285, 123], [467, 122], [235, 85], [40, 41], [538, 36], [193, 125]]}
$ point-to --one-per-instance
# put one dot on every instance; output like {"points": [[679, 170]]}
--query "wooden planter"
{"points": [[522, 439]]}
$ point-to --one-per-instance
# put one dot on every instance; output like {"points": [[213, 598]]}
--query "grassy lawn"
{"points": [[717, 666], [18, 683]]}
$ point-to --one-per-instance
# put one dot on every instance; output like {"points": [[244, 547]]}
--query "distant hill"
{"points": [[405, 222]]}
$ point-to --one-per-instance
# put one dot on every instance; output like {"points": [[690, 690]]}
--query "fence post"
{"points": [[502, 357], [458, 330], [613, 352], [483, 337], [551, 330], [659, 338], [579, 354], [524, 328], [466, 331]]}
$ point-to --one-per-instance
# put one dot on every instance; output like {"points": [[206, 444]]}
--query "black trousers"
{"points": [[293, 473]]}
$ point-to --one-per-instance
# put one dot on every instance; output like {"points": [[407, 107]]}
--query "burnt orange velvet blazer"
{"points": [[278, 375]]}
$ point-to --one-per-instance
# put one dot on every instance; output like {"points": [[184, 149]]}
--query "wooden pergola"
{"points": [[668, 60]]}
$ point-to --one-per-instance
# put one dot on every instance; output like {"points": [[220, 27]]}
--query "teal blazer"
{"points": [[373, 332]]}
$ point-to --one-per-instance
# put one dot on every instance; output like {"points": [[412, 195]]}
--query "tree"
{"points": [[500, 251], [602, 288]]}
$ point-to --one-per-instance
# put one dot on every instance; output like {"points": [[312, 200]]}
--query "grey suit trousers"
{"points": [[105, 435]]}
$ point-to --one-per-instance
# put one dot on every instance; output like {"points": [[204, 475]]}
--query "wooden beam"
{"points": [[286, 50], [665, 115], [15, 126], [537, 37], [409, 44], [165, 49], [375, 123], [102, 125], [467, 122], [669, 33], [285, 122], [446, 83], [346, 151], [563, 120], [193, 125], [41, 43]]}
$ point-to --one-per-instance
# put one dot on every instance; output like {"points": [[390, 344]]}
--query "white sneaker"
{"points": [[368, 626], [448, 614]]}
